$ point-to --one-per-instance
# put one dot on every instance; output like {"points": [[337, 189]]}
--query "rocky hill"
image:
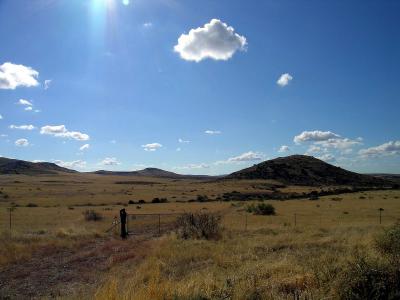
{"points": [[306, 170]]}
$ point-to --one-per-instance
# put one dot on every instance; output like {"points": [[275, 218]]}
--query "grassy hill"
{"points": [[15, 166]]}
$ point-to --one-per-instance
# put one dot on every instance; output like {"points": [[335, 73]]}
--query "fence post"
{"points": [[380, 215], [295, 219], [245, 226], [159, 224]]}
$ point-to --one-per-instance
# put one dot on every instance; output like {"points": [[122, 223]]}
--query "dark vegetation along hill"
{"points": [[307, 170], [15, 166]]}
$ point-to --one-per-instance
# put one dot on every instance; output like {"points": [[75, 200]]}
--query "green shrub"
{"points": [[199, 226], [261, 209]]}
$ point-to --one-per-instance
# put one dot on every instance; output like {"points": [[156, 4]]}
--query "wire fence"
{"points": [[61, 219]]}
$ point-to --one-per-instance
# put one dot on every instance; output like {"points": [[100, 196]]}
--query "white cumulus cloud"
{"points": [[152, 146], [389, 148], [13, 76], [61, 131], [22, 143], [22, 127], [284, 79], [283, 149], [314, 136], [215, 40], [245, 157]]}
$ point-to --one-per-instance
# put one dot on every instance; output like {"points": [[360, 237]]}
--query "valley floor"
{"points": [[306, 251]]}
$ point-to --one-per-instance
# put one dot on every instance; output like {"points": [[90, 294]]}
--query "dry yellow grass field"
{"points": [[299, 252]]}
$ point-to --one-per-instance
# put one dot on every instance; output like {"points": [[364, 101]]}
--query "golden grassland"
{"points": [[299, 252]]}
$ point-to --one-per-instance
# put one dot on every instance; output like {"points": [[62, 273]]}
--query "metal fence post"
{"points": [[295, 219], [246, 223]]}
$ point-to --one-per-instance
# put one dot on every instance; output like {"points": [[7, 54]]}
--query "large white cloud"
{"points": [[152, 146], [314, 136], [389, 148], [284, 79], [61, 131], [22, 127], [22, 143], [215, 40], [13, 76]]}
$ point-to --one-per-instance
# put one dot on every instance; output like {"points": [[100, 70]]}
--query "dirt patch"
{"points": [[70, 272]]}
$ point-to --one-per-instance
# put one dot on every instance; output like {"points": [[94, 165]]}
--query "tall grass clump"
{"points": [[199, 226], [91, 215], [368, 277], [388, 243]]}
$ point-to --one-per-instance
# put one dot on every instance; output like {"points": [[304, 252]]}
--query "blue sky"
{"points": [[201, 87]]}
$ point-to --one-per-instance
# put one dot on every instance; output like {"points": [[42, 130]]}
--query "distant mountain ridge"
{"points": [[306, 170], [16, 166], [292, 170], [153, 172]]}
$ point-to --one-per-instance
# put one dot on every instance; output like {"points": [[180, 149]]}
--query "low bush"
{"points": [[366, 278], [159, 200], [131, 202], [202, 198], [388, 243], [261, 209], [199, 226], [31, 205], [141, 202], [91, 215]]}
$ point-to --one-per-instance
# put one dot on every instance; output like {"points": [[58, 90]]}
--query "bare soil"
{"points": [[70, 273]]}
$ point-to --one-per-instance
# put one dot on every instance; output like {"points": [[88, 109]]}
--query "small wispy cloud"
{"points": [[110, 161], [212, 132], [151, 146], [47, 83], [84, 147], [22, 143], [22, 127]]}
